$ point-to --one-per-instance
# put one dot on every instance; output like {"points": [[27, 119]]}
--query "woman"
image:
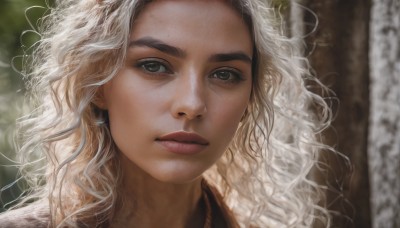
{"points": [[169, 114]]}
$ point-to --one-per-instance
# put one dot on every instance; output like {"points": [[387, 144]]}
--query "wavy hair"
{"points": [[69, 156]]}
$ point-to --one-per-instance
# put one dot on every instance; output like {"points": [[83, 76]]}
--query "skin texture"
{"points": [[201, 85]]}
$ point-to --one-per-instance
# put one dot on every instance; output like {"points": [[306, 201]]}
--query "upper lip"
{"points": [[185, 137]]}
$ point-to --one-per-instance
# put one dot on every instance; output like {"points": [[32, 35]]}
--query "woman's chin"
{"points": [[177, 177]]}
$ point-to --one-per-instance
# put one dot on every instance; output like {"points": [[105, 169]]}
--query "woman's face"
{"points": [[177, 102]]}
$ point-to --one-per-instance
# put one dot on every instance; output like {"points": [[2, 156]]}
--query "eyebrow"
{"points": [[177, 52], [159, 45], [230, 57]]}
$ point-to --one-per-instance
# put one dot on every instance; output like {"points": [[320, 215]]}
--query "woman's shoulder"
{"points": [[34, 215]]}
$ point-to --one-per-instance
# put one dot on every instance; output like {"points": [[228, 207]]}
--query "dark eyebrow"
{"points": [[159, 45], [230, 57], [177, 52]]}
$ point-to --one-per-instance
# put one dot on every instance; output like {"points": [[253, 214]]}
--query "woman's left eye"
{"points": [[227, 76]]}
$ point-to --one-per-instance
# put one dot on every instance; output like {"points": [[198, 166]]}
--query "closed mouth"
{"points": [[184, 137]]}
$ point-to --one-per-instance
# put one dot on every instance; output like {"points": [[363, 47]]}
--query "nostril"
{"points": [[184, 114]]}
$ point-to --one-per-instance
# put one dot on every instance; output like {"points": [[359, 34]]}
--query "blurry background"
{"points": [[353, 46], [13, 44]]}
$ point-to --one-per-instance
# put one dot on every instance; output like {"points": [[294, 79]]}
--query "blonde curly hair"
{"points": [[68, 154]]}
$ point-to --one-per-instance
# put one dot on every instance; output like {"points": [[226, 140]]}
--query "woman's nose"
{"points": [[190, 99]]}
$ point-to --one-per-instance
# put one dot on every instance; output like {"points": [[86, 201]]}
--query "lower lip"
{"points": [[182, 148]]}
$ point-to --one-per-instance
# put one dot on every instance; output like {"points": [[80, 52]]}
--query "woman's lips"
{"points": [[182, 142]]}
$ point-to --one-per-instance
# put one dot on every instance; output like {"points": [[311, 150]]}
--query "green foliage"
{"points": [[282, 5], [13, 22], [15, 40]]}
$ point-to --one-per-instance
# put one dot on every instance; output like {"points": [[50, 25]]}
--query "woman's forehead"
{"points": [[186, 23]]}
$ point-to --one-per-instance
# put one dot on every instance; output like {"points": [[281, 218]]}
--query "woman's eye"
{"points": [[227, 76], [153, 67]]}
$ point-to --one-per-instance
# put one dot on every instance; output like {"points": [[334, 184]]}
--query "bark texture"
{"points": [[339, 56], [384, 139]]}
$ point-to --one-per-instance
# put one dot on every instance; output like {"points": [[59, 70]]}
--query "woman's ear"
{"points": [[99, 99]]}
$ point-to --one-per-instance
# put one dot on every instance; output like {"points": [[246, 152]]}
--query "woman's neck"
{"points": [[147, 202]]}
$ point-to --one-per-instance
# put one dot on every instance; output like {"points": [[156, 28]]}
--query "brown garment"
{"points": [[222, 216], [32, 216]]}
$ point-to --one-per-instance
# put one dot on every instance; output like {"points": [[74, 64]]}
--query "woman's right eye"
{"points": [[153, 67]]}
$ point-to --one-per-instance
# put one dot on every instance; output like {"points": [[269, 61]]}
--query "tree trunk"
{"points": [[384, 139], [339, 56]]}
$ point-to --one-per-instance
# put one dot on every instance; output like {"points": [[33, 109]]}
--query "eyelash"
{"points": [[144, 65], [237, 75]]}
